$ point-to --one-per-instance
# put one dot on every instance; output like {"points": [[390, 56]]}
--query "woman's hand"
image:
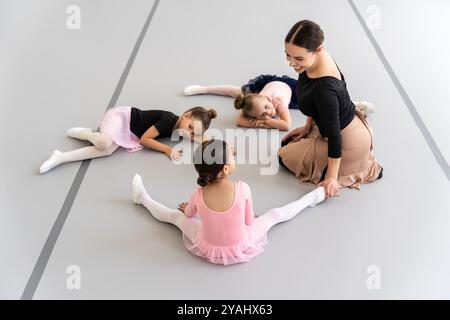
{"points": [[331, 187], [182, 206], [297, 133]]}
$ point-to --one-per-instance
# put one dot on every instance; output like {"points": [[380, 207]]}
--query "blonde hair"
{"points": [[245, 103]]}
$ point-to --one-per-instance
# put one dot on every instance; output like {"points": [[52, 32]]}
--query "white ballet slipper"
{"points": [[50, 163], [137, 188], [319, 196], [192, 90], [365, 106]]}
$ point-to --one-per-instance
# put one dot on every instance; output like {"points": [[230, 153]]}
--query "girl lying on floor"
{"points": [[133, 129], [264, 101]]}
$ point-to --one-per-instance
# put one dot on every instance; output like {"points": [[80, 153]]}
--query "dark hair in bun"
{"points": [[209, 160], [204, 115], [306, 34], [205, 178]]}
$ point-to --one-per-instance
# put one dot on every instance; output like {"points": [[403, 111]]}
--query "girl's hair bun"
{"points": [[239, 102], [204, 179], [212, 113]]}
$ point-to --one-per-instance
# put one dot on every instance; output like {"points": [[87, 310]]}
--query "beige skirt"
{"points": [[308, 157]]}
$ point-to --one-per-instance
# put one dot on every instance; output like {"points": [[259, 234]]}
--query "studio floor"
{"points": [[80, 216]]}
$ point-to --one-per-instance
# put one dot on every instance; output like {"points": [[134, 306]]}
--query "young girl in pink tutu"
{"points": [[264, 101], [227, 231], [133, 129]]}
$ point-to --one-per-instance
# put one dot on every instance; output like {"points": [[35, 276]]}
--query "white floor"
{"points": [[54, 78]]}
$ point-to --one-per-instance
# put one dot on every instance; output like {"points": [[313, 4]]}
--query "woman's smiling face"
{"points": [[299, 58]]}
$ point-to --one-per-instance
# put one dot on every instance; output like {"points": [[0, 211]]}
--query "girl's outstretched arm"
{"points": [[148, 141], [189, 208]]}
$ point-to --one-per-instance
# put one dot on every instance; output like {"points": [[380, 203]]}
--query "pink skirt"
{"points": [[252, 245], [116, 124]]}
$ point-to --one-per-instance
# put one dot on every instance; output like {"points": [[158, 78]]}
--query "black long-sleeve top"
{"points": [[327, 101]]}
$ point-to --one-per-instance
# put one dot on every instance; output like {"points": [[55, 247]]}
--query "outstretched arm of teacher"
{"points": [[328, 108]]}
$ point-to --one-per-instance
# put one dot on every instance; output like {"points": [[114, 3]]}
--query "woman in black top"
{"points": [[134, 129], [334, 147]]}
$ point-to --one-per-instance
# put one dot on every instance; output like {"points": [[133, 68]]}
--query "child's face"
{"points": [[232, 153], [262, 108], [191, 125], [230, 167]]}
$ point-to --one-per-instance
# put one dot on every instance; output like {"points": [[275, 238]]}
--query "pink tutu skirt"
{"points": [[116, 124], [252, 245]]}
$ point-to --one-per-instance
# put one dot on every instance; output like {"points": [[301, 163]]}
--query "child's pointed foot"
{"points": [[193, 90], [319, 196], [137, 189], [365, 106], [380, 175], [50, 163], [78, 132]]}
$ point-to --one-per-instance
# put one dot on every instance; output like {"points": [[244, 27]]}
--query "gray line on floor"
{"points": [[412, 109], [50, 243]]}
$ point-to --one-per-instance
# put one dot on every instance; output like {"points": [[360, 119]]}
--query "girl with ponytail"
{"points": [[228, 231], [134, 129]]}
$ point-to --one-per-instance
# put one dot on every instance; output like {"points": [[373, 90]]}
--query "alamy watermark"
{"points": [[373, 18], [73, 281], [73, 21], [250, 146], [373, 281]]}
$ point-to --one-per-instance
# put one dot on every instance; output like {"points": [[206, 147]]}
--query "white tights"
{"points": [[103, 146], [261, 225], [265, 222], [188, 226], [222, 90]]}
